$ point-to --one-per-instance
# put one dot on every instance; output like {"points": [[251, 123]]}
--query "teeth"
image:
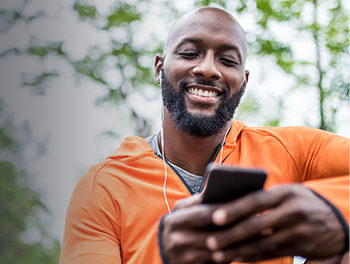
{"points": [[200, 92]]}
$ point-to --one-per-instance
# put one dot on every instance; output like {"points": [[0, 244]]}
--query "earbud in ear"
{"points": [[161, 77]]}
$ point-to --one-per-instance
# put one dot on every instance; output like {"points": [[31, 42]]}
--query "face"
{"points": [[204, 67]]}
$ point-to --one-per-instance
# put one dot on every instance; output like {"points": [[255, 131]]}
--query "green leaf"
{"points": [[220, 3], [124, 14], [6, 141], [43, 51], [84, 10]]}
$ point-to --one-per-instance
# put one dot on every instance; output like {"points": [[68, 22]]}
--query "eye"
{"points": [[188, 55], [228, 61]]}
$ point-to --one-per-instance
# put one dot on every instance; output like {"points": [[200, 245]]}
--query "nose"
{"points": [[207, 68]]}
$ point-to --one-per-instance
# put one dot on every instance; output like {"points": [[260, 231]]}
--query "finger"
{"points": [[284, 216], [190, 218], [345, 258], [187, 247], [192, 257], [248, 205], [187, 202], [291, 241], [251, 227], [263, 248], [185, 240]]}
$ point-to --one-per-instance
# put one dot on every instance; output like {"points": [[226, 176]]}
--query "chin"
{"points": [[202, 111]]}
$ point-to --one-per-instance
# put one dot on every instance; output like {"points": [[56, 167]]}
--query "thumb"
{"points": [[187, 202]]}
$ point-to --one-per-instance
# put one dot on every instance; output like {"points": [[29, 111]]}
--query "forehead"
{"points": [[215, 27]]}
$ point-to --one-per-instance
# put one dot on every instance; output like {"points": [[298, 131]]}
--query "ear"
{"points": [[158, 65], [246, 77]]}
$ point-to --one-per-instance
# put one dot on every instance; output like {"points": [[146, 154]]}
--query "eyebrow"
{"points": [[200, 41]]}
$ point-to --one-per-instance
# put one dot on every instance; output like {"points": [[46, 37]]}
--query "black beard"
{"points": [[198, 125]]}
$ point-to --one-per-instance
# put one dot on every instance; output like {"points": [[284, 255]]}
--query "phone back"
{"points": [[228, 183]]}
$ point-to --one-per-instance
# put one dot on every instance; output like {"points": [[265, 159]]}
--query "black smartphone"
{"points": [[227, 183]]}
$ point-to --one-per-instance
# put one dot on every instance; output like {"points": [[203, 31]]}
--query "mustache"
{"points": [[184, 84], [205, 82]]}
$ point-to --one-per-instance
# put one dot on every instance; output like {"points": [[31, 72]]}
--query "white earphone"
{"points": [[164, 163], [163, 154]]}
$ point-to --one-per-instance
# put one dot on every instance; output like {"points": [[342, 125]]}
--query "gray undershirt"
{"points": [[193, 181]]}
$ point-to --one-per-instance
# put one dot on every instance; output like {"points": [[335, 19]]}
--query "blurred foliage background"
{"points": [[304, 41], [23, 238]]}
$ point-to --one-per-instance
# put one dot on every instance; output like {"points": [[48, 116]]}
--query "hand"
{"points": [[285, 220], [183, 235]]}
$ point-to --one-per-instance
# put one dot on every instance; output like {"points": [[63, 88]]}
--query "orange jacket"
{"points": [[115, 208]]}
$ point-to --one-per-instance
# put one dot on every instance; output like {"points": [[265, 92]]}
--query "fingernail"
{"points": [[212, 243], [218, 256], [219, 217]]}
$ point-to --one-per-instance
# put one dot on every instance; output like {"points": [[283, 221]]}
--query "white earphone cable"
{"points": [[163, 153], [222, 149], [223, 142], [164, 164]]}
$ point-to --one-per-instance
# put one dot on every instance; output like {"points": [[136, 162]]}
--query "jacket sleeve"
{"points": [[323, 164], [91, 231]]}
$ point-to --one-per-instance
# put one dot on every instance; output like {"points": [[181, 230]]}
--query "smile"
{"points": [[204, 90], [204, 93]]}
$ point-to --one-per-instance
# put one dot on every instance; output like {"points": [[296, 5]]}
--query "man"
{"points": [[114, 213]]}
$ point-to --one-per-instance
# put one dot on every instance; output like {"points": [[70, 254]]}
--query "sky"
{"points": [[66, 119]]}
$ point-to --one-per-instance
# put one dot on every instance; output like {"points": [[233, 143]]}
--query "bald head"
{"points": [[206, 17], [202, 71]]}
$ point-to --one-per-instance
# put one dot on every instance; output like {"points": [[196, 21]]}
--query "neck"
{"points": [[189, 152]]}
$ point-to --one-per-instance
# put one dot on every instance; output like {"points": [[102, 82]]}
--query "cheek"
{"points": [[176, 72], [235, 81]]}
